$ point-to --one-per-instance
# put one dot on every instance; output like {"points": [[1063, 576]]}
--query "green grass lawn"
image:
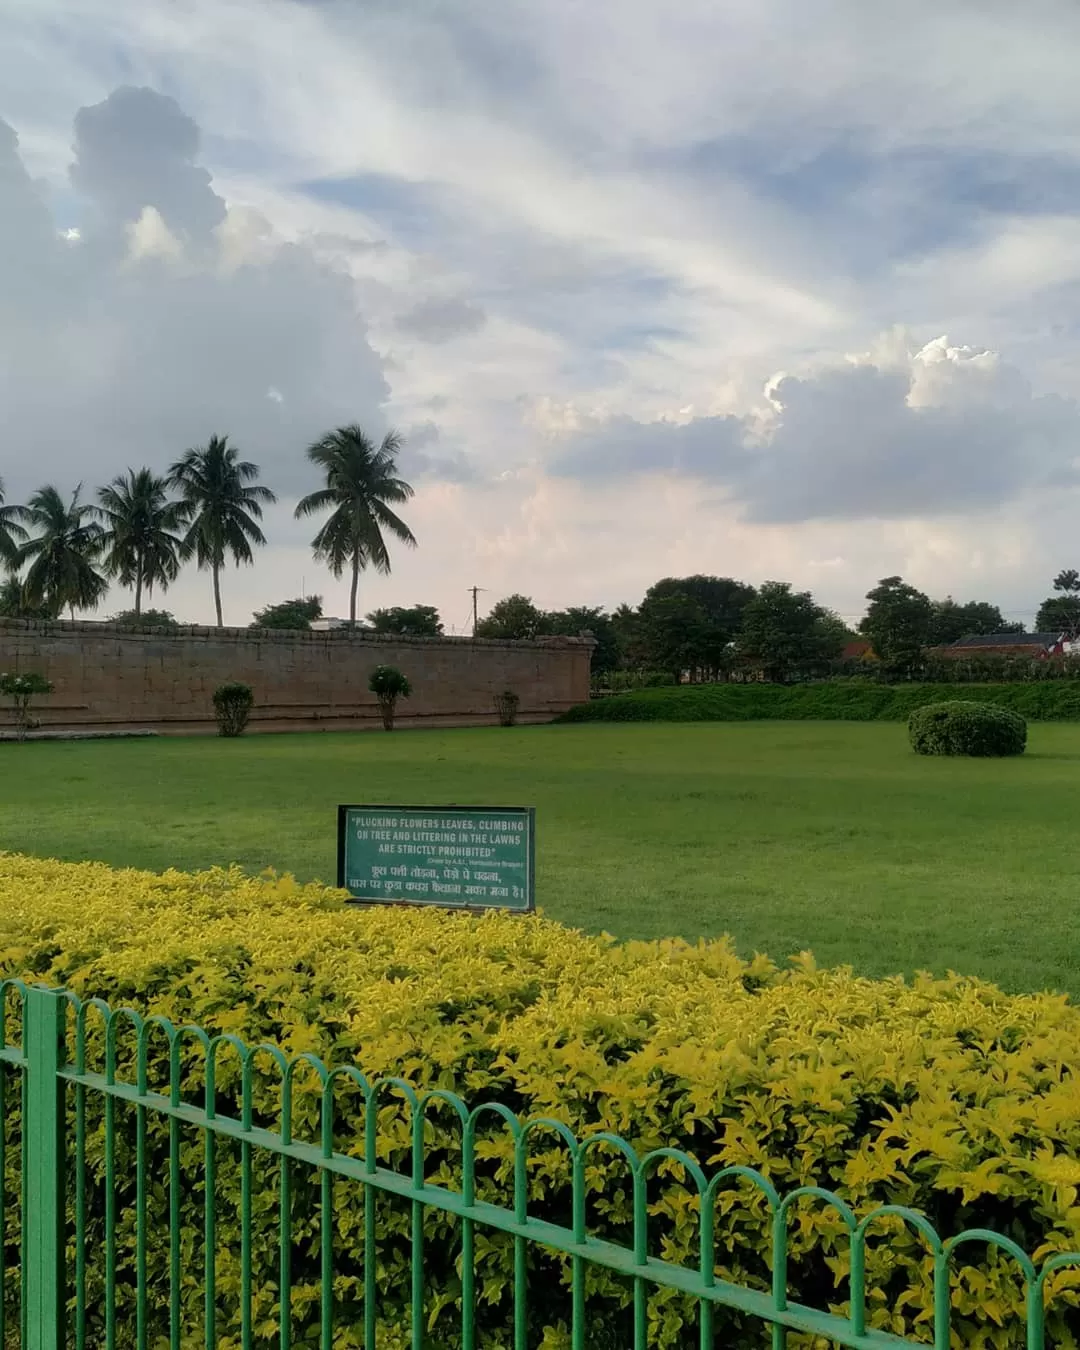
{"points": [[827, 836]]}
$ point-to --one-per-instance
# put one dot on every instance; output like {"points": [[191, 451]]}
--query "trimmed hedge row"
{"points": [[829, 701], [945, 1095]]}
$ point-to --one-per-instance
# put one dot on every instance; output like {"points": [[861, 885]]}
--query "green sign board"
{"points": [[463, 857]]}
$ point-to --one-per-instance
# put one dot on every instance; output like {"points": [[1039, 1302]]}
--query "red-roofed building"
{"points": [[1035, 646]]}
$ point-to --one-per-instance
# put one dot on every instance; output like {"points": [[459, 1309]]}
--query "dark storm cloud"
{"points": [[138, 149], [848, 444], [441, 320], [110, 358]]}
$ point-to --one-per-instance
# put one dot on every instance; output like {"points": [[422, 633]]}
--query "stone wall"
{"points": [[107, 677]]}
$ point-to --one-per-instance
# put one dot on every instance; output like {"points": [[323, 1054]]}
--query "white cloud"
{"points": [[150, 237]]}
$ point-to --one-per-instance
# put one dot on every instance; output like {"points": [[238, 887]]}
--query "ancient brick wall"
{"points": [[106, 677]]}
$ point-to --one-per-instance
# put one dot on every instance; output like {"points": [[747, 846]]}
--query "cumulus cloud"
{"points": [[168, 318], [941, 431]]}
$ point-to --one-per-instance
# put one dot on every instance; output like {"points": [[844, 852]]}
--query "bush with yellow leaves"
{"points": [[947, 1096]]}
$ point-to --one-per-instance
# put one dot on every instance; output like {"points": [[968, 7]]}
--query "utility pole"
{"points": [[473, 590]]}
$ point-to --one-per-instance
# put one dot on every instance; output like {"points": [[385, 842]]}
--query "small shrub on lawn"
{"points": [[388, 685], [22, 690], [962, 727], [945, 1095], [506, 705], [232, 707]]}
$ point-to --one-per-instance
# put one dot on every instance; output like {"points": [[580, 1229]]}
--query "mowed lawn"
{"points": [[830, 837]]}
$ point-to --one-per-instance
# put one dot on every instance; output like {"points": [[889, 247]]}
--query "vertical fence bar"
{"points": [[80, 1196], [417, 1231], [285, 1224], [521, 1254], [3, 1187], [326, 1224], [577, 1263], [141, 1228], [779, 1275], [245, 1208], [468, 1243], [43, 1209], [371, 1124], [174, 1198], [641, 1256], [210, 1241], [109, 1108], [24, 1190], [210, 1206]]}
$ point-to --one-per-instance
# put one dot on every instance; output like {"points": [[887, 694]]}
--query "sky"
{"points": [[756, 288]]}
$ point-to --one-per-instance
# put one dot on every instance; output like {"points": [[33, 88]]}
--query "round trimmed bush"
{"points": [[961, 727]]}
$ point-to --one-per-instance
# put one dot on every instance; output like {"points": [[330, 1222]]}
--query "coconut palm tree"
{"points": [[221, 503], [12, 533], [65, 544], [141, 546], [361, 479]]}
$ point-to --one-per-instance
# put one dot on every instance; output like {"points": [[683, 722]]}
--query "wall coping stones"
{"points": [[75, 627]]}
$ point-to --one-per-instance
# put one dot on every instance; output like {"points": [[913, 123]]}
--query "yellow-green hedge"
{"points": [[945, 1095]]}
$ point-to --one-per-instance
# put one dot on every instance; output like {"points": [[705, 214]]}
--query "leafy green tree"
{"points": [[1059, 614], [513, 618], [12, 533], [674, 631], [626, 623], [579, 619], [63, 550], [141, 541], [899, 622], [361, 483], [712, 621], [414, 621], [952, 621], [835, 632], [13, 602], [787, 633], [289, 614], [222, 504]]}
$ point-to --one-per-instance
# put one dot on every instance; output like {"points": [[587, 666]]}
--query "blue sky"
{"points": [[763, 289]]}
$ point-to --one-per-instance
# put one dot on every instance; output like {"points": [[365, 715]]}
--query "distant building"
{"points": [[324, 625], [1035, 646], [859, 650]]}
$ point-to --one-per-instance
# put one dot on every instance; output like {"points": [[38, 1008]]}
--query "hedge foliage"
{"points": [[963, 727], [945, 1095], [827, 701]]}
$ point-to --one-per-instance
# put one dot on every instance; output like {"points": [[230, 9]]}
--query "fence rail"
{"points": [[50, 1247]]}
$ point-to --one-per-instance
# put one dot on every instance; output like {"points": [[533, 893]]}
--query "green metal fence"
{"points": [[46, 1097]]}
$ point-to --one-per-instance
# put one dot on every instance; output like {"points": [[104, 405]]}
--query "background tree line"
{"points": [[706, 628], [61, 552]]}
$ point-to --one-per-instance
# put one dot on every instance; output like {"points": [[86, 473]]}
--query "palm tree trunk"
{"points": [[355, 581], [217, 594], [138, 589]]}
